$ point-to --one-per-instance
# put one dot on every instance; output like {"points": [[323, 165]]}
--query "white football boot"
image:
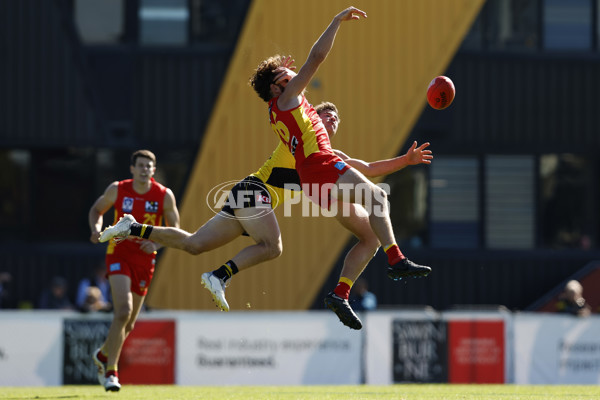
{"points": [[217, 288], [120, 230], [112, 384]]}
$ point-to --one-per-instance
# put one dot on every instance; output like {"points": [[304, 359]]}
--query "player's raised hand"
{"points": [[284, 76], [351, 13], [288, 62], [419, 155]]}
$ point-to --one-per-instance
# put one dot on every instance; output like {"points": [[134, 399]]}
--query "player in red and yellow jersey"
{"points": [[294, 121], [130, 263]]}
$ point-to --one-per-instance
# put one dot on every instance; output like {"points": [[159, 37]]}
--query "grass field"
{"points": [[395, 392]]}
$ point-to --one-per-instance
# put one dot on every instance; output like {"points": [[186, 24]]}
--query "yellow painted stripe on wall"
{"points": [[377, 74]]}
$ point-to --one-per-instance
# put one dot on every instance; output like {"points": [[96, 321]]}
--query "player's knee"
{"points": [[122, 313], [194, 248], [379, 194], [273, 249], [370, 243], [380, 200]]}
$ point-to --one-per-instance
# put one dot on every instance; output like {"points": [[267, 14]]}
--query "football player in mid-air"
{"points": [[296, 123], [269, 181]]}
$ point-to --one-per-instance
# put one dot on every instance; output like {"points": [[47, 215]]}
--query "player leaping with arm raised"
{"points": [[297, 124]]}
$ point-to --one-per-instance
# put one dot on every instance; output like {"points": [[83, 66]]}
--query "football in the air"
{"points": [[440, 92]]}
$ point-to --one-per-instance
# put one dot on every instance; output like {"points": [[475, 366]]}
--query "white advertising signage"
{"points": [[266, 348], [556, 349], [30, 348]]}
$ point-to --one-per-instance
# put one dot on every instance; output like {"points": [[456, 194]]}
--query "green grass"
{"points": [[363, 392]]}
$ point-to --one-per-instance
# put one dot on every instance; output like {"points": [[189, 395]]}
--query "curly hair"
{"points": [[327, 106], [263, 76]]}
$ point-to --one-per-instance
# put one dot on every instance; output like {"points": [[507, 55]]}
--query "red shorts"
{"points": [[321, 169], [137, 265]]}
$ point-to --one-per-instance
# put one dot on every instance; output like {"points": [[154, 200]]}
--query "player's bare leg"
{"points": [[264, 229], [349, 185], [375, 196], [123, 311], [112, 381], [216, 232], [357, 222], [356, 219]]}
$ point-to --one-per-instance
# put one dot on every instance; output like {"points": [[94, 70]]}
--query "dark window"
{"points": [[566, 213]]}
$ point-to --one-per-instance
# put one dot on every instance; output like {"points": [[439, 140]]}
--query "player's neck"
{"points": [[142, 187]]}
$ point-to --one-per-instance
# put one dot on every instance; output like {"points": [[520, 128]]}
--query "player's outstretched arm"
{"points": [[414, 155], [317, 55]]}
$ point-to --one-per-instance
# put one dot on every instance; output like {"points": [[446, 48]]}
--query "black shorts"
{"points": [[250, 192]]}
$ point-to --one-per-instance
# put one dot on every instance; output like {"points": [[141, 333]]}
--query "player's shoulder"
{"points": [[113, 186], [122, 183], [159, 186]]}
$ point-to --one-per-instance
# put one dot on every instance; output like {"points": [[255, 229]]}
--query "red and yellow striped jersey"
{"points": [[300, 129]]}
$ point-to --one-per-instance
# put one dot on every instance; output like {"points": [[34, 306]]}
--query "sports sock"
{"points": [[141, 230], [394, 254], [102, 357], [343, 288], [112, 370], [226, 271]]}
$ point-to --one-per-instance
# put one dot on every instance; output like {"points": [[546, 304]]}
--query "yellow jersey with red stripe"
{"points": [[300, 130]]}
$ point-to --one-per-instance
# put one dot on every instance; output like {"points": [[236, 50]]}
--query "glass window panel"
{"points": [[99, 21], [63, 192], [408, 205], [509, 202], [15, 202], [473, 40], [164, 22], [454, 214], [567, 24], [513, 25], [566, 212]]}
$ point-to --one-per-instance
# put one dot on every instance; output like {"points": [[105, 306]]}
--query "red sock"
{"points": [[394, 254], [343, 288], [112, 371], [101, 356]]}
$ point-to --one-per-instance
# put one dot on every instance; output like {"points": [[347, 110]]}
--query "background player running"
{"points": [[130, 263]]}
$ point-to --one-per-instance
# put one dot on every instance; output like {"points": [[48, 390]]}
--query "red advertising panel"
{"points": [[476, 351], [148, 356]]}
